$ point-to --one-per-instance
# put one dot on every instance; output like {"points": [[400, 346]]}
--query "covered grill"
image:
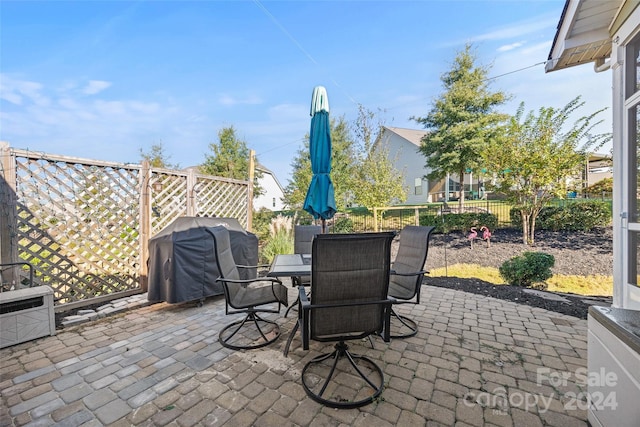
{"points": [[182, 265]]}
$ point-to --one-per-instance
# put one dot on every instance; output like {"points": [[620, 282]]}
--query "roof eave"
{"points": [[573, 45]]}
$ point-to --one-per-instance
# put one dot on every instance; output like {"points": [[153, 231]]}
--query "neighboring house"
{"points": [[272, 191], [403, 145], [598, 168], [403, 149]]}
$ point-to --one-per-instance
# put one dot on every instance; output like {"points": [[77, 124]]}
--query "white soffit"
{"points": [[583, 33]]}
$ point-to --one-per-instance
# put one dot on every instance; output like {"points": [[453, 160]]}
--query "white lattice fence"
{"points": [[77, 225], [168, 198], [220, 197], [80, 223]]}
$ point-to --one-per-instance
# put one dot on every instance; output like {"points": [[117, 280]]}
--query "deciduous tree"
{"points": [[379, 182], [537, 156]]}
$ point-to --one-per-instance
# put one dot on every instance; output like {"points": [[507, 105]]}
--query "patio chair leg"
{"points": [[295, 304], [290, 339], [237, 326], [311, 380], [371, 341], [406, 323]]}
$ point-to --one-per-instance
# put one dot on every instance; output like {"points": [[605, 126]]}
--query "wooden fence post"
{"points": [[8, 215], [252, 167], [192, 209], [145, 223]]}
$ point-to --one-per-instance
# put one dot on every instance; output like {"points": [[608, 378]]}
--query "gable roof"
{"points": [[412, 135], [266, 170]]}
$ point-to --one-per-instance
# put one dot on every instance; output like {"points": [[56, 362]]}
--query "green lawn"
{"points": [[581, 285]]}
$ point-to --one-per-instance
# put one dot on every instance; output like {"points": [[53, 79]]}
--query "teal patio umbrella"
{"points": [[320, 201]]}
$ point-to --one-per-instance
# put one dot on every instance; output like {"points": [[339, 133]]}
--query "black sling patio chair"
{"points": [[249, 297], [349, 285], [407, 272], [302, 238]]}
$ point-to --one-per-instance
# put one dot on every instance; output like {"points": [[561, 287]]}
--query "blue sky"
{"points": [[102, 80]]}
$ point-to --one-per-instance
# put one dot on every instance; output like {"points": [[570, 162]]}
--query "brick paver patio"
{"points": [[476, 361]]}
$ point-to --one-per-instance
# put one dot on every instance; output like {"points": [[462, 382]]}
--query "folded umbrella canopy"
{"points": [[320, 200]]}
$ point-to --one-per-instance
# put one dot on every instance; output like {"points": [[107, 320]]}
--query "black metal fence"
{"points": [[396, 217]]}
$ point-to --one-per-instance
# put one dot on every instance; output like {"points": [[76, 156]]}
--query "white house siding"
{"points": [[273, 192], [402, 145]]}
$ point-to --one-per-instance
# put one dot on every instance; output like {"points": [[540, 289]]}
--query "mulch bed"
{"points": [[577, 306], [575, 253]]}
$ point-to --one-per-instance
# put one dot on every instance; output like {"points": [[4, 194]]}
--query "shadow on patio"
{"points": [[475, 361]]}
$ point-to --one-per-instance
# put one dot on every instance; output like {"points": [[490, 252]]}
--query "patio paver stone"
{"points": [[475, 361]]}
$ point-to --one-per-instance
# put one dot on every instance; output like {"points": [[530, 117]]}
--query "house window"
{"points": [[274, 202], [631, 142], [633, 58], [418, 186]]}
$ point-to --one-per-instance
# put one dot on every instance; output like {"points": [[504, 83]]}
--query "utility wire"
{"points": [[516, 71], [299, 46], [486, 79]]}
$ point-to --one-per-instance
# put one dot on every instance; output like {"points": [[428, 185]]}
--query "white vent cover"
{"points": [[26, 314]]}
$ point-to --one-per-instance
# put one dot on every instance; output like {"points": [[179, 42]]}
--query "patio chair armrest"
{"points": [[253, 266], [310, 306], [417, 273], [304, 299], [271, 280]]}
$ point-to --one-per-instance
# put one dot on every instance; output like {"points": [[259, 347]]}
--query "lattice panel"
{"points": [[78, 225], [168, 199], [226, 199]]}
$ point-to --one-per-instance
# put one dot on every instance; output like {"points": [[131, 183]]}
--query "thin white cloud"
{"points": [[21, 92], [74, 124], [229, 100], [95, 86], [511, 46], [518, 29]]}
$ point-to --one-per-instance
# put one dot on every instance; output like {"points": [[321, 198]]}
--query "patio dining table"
{"points": [[290, 265]]}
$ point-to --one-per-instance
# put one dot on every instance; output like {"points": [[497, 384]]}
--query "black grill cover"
{"points": [[182, 266]]}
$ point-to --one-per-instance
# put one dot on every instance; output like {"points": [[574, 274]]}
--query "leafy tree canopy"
{"points": [[462, 120], [378, 182], [343, 168], [538, 154], [230, 159], [157, 157]]}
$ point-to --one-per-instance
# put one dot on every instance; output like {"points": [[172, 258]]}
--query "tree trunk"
{"points": [[461, 199], [532, 229], [525, 227]]}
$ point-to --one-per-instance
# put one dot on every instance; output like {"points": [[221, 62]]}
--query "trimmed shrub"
{"points": [[527, 269], [343, 224], [573, 216], [459, 222]]}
